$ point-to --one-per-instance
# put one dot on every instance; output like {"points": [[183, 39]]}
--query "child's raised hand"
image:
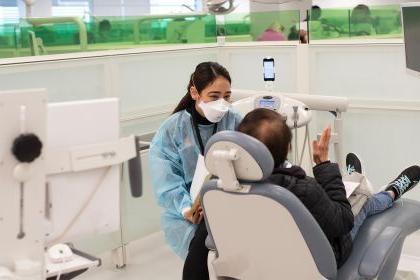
{"points": [[320, 148]]}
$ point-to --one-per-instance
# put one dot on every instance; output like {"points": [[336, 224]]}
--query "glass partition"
{"points": [[57, 35], [332, 23], [387, 20], [275, 26], [261, 26], [8, 41], [235, 27], [375, 22]]}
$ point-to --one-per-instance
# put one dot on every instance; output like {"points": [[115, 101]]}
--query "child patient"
{"points": [[324, 195]]}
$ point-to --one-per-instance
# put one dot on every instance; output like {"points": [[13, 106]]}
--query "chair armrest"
{"points": [[210, 243], [378, 251]]}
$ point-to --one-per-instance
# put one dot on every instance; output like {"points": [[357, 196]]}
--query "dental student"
{"points": [[174, 152]]}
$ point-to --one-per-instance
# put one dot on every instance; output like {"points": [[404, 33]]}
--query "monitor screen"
{"points": [[267, 103], [411, 23]]}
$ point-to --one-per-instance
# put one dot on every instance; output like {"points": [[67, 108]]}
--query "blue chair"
{"points": [[258, 230]]}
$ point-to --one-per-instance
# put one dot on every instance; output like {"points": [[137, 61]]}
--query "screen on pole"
{"points": [[411, 24]]}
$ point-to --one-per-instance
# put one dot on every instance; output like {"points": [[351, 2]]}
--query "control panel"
{"points": [[268, 102]]}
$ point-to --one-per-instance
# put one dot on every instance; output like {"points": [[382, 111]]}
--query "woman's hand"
{"points": [[320, 148], [194, 217]]}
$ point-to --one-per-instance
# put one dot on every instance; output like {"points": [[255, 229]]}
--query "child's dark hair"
{"points": [[270, 128], [205, 74]]}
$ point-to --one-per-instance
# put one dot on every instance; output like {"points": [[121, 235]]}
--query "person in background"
{"points": [[361, 21], [298, 34], [275, 32], [104, 30]]}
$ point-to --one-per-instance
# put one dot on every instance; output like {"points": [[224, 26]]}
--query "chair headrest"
{"points": [[254, 163]]}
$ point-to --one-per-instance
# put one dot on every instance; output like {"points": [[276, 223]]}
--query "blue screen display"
{"points": [[267, 103], [269, 70]]}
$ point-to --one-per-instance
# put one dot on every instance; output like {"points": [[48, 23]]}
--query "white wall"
{"points": [[143, 80], [41, 8], [245, 66], [302, 6], [362, 71], [106, 8], [149, 83], [136, 7], [116, 8], [382, 126]]}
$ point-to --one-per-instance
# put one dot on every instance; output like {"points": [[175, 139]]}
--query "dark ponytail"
{"points": [[205, 74]]}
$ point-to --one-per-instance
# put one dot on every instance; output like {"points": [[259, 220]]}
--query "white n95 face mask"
{"points": [[214, 111]]}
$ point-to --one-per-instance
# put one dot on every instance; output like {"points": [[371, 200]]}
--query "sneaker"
{"points": [[405, 181], [353, 164]]}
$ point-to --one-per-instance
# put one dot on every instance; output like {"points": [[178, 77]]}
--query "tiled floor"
{"points": [[151, 259], [409, 268]]}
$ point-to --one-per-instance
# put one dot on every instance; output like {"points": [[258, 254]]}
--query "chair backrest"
{"points": [[263, 231]]}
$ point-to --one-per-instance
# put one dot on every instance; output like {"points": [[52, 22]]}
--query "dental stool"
{"points": [[260, 231]]}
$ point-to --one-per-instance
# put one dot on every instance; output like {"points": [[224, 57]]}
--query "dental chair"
{"points": [[260, 231]]}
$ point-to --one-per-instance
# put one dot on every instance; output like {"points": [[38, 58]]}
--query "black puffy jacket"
{"points": [[325, 198]]}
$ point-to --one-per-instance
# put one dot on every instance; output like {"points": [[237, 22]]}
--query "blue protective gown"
{"points": [[173, 156]]}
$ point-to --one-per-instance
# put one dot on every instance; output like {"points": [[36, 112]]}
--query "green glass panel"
{"points": [[329, 24], [58, 35], [8, 47], [387, 20], [261, 26], [285, 23], [54, 36], [375, 22], [236, 27]]}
